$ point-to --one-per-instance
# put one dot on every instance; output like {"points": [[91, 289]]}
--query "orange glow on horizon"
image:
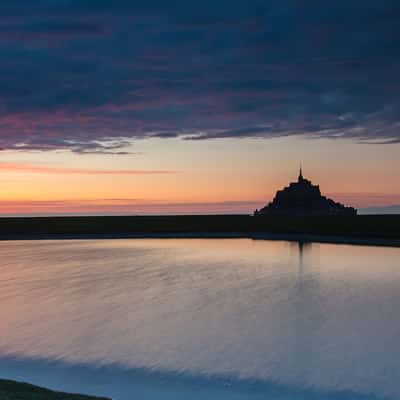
{"points": [[185, 177]]}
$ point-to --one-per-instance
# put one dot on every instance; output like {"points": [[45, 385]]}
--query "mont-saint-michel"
{"points": [[303, 198], [137, 139]]}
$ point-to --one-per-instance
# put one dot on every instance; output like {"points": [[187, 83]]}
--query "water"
{"points": [[201, 319]]}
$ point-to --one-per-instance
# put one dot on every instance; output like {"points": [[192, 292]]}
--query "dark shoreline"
{"points": [[372, 230], [359, 241], [11, 390]]}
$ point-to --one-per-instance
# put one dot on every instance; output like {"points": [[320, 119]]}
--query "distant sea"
{"points": [[395, 209]]}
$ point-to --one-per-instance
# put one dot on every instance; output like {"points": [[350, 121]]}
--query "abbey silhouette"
{"points": [[303, 198]]}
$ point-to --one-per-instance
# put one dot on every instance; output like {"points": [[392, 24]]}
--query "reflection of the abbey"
{"points": [[308, 314], [304, 251]]}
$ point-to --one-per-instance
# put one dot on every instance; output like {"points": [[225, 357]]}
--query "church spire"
{"points": [[300, 175]]}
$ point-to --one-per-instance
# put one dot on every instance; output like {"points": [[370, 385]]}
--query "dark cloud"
{"points": [[90, 76]]}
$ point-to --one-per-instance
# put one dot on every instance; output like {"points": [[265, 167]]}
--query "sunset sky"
{"points": [[179, 106]]}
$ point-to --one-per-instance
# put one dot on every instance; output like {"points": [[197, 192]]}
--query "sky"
{"points": [[149, 107]]}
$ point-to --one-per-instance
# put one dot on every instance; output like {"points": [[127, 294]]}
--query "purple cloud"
{"points": [[94, 76]]}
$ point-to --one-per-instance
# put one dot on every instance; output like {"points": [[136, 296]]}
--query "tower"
{"points": [[300, 179]]}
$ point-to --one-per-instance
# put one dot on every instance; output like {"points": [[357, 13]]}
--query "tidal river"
{"points": [[201, 319]]}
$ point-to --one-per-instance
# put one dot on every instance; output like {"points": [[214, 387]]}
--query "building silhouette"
{"points": [[303, 198]]}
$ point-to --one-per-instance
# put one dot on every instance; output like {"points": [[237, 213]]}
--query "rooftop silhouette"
{"points": [[303, 198]]}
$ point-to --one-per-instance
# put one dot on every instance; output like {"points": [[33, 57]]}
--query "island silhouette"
{"points": [[303, 198]]}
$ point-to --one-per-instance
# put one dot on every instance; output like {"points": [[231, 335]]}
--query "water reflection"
{"points": [[302, 250], [301, 314], [308, 317]]}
